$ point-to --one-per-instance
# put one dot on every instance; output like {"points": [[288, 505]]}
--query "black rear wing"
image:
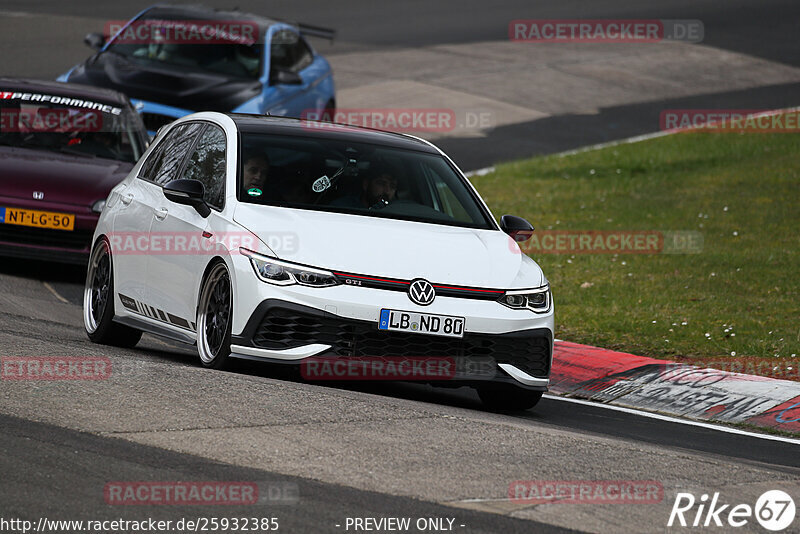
{"points": [[316, 31]]}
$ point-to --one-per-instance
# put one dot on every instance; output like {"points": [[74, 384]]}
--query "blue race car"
{"points": [[175, 60]]}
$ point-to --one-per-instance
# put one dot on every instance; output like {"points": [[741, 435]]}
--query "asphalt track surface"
{"points": [[764, 30], [30, 491], [56, 463], [59, 449], [549, 412]]}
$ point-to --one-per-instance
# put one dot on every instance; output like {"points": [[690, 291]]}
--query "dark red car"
{"points": [[62, 148]]}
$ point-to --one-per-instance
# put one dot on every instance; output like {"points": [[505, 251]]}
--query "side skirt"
{"points": [[156, 329]]}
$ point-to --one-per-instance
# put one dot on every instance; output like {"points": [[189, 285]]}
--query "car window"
{"points": [[288, 51], [207, 164], [85, 128], [303, 55], [165, 161], [219, 52], [357, 178]]}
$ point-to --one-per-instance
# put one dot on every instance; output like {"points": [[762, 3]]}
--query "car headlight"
{"points": [[98, 206], [284, 273], [537, 300]]}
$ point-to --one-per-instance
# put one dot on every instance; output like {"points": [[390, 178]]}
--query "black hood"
{"points": [[168, 85]]}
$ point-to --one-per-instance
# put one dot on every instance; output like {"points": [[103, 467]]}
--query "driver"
{"points": [[248, 58], [379, 190]]}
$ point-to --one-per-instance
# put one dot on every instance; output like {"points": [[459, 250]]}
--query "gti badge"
{"points": [[38, 195], [421, 292]]}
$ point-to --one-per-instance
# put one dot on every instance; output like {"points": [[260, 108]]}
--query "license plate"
{"points": [[37, 219], [421, 323]]}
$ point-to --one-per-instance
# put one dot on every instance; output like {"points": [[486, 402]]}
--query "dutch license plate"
{"points": [[37, 219], [421, 323]]}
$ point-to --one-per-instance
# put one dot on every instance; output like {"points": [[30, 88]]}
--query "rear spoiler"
{"points": [[316, 31]]}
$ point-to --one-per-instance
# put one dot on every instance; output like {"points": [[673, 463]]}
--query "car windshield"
{"points": [[205, 45], [357, 178], [72, 126]]}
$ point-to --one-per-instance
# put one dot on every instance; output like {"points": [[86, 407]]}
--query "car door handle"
{"points": [[161, 213], [127, 199]]}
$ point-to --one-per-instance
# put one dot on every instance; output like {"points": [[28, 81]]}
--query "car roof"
{"points": [[201, 12], [72, 90], [325, 130]]}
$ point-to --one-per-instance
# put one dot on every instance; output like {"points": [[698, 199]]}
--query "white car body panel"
{"points": [[131, 217], [371, 246], [388, 247]]}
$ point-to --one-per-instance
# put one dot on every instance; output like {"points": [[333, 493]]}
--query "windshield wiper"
{"points": [[111, 50], [19, 143]]}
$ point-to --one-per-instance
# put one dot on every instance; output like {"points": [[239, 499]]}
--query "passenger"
{"points": [[377, 191], [380, 190]]}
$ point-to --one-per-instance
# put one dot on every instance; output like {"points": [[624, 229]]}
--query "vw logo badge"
{"points": [[38, 195], [421, 292]]}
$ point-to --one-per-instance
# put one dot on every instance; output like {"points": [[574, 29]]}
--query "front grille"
{"points": [[46, 237], [284, 329], [154, 121]]}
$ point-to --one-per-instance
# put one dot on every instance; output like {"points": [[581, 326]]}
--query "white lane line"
{"points": [[479, 172], [15, 14], [670, 419], [629, 140], [55, 293], [626, 141], [635, 139]]}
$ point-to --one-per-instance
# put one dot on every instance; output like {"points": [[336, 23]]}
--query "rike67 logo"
{"points": [[774, 510]]}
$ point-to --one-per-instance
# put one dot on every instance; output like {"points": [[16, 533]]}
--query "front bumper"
{"points": [[48, 244], [282, 331]]}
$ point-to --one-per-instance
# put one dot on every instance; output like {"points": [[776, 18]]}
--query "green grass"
{"points": [[741, 191]]}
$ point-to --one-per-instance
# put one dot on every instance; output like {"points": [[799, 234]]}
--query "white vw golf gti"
{"points": [[299, 242]]}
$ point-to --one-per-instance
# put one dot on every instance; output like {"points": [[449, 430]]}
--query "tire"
{"points": [[504, 398], [214, 314], [98, 302]]}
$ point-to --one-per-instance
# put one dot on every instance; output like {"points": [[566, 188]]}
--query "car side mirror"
{"points": [[95, 40], [284, 77], [189, 193], [518, 228]]}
